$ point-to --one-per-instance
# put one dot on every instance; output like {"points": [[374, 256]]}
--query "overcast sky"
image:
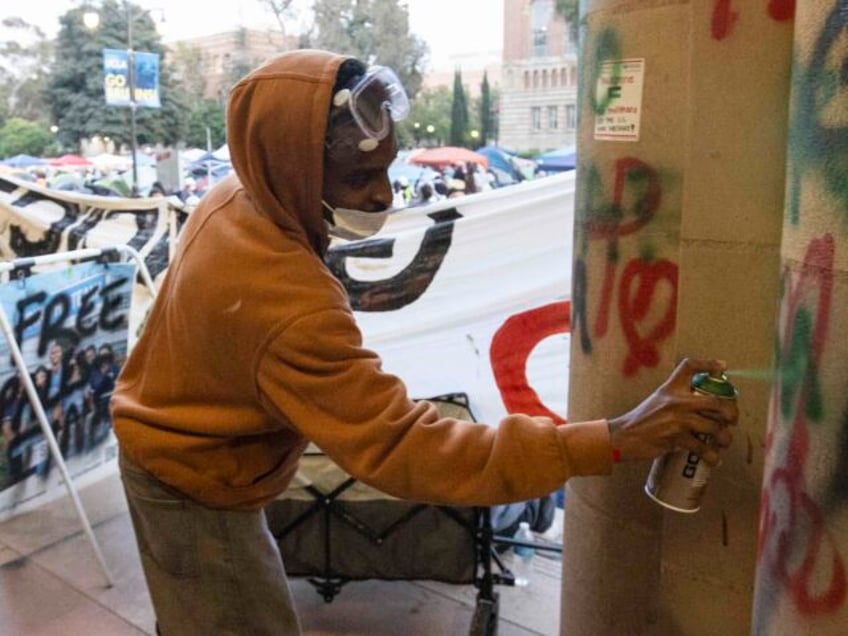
{"points": [[450, 27]]}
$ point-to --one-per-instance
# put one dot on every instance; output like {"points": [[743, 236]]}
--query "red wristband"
{"points": [[616, 456]]}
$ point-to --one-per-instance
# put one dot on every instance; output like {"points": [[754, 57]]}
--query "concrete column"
{"points": [[801, 585], [677, 253]]}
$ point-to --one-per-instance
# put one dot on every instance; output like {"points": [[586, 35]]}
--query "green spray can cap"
{"points": [[714, 384]]}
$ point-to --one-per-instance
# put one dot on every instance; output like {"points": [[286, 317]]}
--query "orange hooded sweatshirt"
{"points": [[251, 348]]}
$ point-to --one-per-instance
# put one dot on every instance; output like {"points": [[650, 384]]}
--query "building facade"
{"points": [[538, 88], [229, 55]]}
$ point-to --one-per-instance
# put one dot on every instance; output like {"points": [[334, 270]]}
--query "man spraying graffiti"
{"points": [[251, 351]]}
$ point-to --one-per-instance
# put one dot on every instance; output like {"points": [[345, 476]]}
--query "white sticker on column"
{"points": [[618, 100]]}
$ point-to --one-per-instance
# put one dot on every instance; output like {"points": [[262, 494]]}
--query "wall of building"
{"points": [[538, 90], [221, 51], [801, 585], [677, 253]]}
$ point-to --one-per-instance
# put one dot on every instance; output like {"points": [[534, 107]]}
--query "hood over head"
{"points": [[276, 126]]}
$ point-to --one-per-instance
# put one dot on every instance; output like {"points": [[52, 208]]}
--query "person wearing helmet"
{"points": [[251, 351]]}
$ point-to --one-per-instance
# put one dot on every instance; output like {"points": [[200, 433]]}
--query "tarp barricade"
{"points": [[468, 295], [35, 221], [472, 295]]}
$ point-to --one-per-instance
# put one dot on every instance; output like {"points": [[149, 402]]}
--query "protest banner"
{"points": [[467, 295], [71, 329]]}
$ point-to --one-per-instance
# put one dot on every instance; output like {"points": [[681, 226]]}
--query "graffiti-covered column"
{"points": [[802, 569], [682, 142]]}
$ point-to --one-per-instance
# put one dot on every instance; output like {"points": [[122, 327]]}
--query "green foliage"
{"points": [[75, 89], [459, 113], [282, 11], [208, 113], [25, 63], [19, 136], [374, 31], [569, 10], [239, 63], [432, 107], [485, 111], [189, 71]]}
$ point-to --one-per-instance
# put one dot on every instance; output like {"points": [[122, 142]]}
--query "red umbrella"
{"points": [[70, 160], [444, 156]]}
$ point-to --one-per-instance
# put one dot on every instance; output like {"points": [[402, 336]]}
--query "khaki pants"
{"points": [[209, 572]]}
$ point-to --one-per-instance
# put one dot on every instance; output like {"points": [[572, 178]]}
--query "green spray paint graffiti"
{"points": [[607, 49], [818, 134], [800, 550], [645, 287]]}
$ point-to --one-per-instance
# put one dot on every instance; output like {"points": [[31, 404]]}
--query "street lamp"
{"points": [[131, 80], [91, 19]]}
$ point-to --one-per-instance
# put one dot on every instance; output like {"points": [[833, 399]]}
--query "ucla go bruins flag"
{"points": [[116, 78]]}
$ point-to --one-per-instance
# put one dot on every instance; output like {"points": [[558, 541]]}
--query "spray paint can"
{"points": [[678, 480]]}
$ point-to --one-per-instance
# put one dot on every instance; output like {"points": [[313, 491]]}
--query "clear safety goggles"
{"points": [[376, 100]]}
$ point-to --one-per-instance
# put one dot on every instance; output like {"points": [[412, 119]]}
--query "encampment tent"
{"points": [[414, 173], [24, 161], [70, 160], [444, 156], [558, 160]]}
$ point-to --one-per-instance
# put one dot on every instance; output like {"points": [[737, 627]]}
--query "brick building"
{"points": [[538, 88], [230, 54]]}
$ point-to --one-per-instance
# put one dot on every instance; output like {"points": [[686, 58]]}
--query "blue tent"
{"points": [[24, 161], [558, 160], [499, 158], [412, 172]]}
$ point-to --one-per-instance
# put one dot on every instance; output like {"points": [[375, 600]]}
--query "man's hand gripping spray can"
{"points": [[678, 480]]}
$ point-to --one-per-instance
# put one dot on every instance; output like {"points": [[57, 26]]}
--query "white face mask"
{"points": [[354, 225]]}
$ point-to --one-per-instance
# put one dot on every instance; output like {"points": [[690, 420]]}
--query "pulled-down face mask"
{"points": [[361, 116], [353, 225]]}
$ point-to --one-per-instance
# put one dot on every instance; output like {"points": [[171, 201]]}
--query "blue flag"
{"points": [[116, 78]]}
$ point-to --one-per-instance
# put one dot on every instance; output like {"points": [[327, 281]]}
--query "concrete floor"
{"points": [[51, 584]]}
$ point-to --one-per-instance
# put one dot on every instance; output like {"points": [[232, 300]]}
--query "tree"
{"points": [[569, 10], [209, 113], [486, 130], [375, 31], [239, 63], [459, 113], [19, 136], [431, 108], [75, 90], [24, 65], [189, 71], [282, 9]]}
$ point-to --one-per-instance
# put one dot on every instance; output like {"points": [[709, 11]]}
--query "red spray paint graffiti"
{"points": [[636, 179], [794, 540], [627, 170], [724, 17], [634, 308], [511, 347]]}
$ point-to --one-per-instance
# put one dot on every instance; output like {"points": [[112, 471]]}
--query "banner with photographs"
{"points": [[71, 325], [36, 221]]}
